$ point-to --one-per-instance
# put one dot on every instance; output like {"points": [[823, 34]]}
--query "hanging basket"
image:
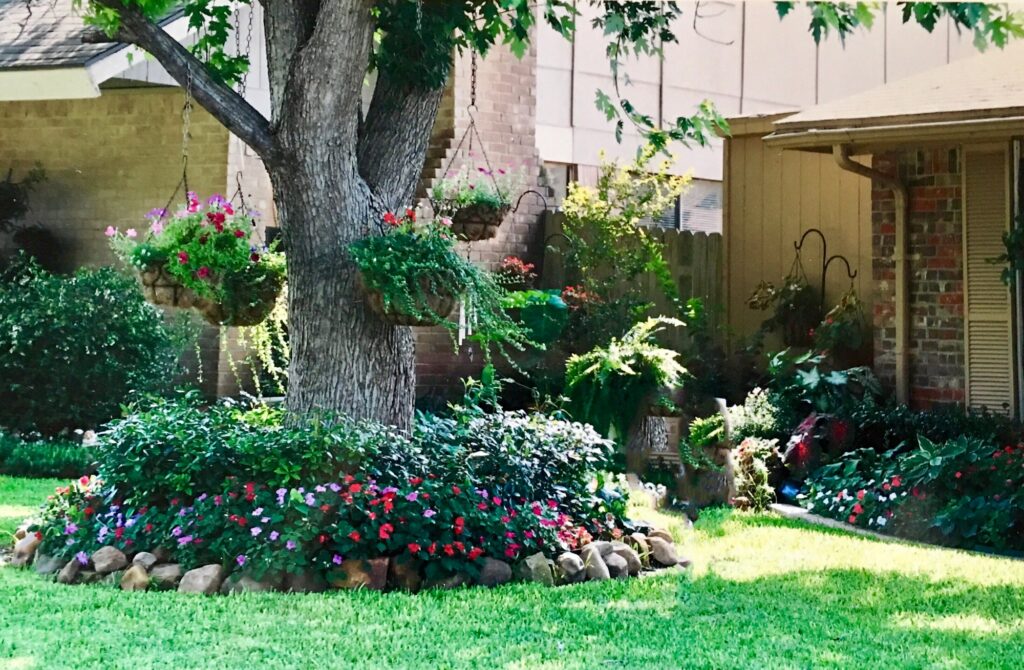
{"points": [[475, 223], [430, 304], [162, 288], [248, 306]]}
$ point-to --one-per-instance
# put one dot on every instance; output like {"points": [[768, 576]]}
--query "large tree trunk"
{"points": [[344, 358]]}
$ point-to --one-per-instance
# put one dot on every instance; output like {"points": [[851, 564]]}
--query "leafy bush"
{"points": [[762, 415], [270, 492], [752, 459], [43, 458], [964, 492], [72, 349], [885, 427]]}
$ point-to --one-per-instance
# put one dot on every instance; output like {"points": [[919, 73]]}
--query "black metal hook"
{"points": [[523, 194], [826, 261]]}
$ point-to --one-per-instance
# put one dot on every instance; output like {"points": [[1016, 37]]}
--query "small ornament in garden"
{"points": [[477, 201], [203, 257]]}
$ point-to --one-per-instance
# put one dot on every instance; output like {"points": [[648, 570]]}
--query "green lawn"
{"points": [[764, 593]]}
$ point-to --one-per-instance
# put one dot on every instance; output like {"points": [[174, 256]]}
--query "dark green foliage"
{"points": [[884, 427], [72, 349], [42, 458]]}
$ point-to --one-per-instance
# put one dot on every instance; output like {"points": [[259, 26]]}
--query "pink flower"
{"points": [[110, 231], [157, 227], [131, 233], [182, 257], [203, 272]]}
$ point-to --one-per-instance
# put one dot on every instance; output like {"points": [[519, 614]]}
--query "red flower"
{"points": [[88, 511], [432, 548], [410, 213], [254, 257], [413, 548], [148, 528], [416, 481], [390, 219], [482, 506], [385, 531], [218, 217], [355, 488], [354, 536], [461, 548], [321, 538], [325, 508], [119, 533], [239, 233], [39, 536], [958, 475], [475, 553], [852, 519], [348, 479], [459, 522], [860, 494], [449, 550], [456, 490], [886, 486], [897, 481], [857, 509], [182, 257]]}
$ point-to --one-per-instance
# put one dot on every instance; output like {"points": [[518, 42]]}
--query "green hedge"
{"points": [[45, 458]]}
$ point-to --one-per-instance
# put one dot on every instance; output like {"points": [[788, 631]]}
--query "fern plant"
{"points": [[609, 385]]}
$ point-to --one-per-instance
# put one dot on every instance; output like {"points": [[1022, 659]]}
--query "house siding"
{"points": [[936, 287]]}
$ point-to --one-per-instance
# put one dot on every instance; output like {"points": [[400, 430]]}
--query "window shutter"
{"points": [[989, 317]]}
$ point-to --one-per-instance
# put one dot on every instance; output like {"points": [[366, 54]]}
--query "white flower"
{"points": [[881, 521], [871, 522], [892, 496]]}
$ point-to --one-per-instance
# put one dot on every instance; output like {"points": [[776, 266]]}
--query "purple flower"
{"points": [[156, 213], [102, 534], [320, 488], [390, 489], [257, 511], [201, 498], [216, 200], [289, 545], [265, 519], [176, 531], [274, 535], [181, 512], [429, 513], [280, 496], [182, 541], [337, 559], [256, 530], [334, 487], [310, 500], [70, 529], [82, 558], [482, 493], [411, 496], [240, 559]]}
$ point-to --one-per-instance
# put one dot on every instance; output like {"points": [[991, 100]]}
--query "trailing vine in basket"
{"points": [[412, 275]]}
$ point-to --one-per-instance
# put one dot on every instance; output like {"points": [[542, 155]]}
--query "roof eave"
{"points": [[872, 137]]}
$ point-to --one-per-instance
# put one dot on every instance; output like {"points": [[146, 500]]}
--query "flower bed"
{"points": [[471, 498]]}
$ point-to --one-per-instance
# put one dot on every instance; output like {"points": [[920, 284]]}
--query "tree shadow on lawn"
{"points": [[843, 618]]}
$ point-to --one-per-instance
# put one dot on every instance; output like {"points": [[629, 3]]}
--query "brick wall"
{"points": [[506, 119], [109, 160], [936, 290]]}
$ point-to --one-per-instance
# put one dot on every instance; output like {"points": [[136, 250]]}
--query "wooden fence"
{"points": [[695, 260]]}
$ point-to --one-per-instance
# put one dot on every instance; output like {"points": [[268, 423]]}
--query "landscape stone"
{"points": [[205, 580], [537, 568], [304, 582], [89, 577], [494, 572], [163, 554], [616, 565], [447, 583], [571, 568], [366, 574], [628, 554], [663, 534], [639, 543], [108, 559], [145, 559], [595, 565], [404, 574], [135, 578], [663, 553], [272, 581], [166, 575], [69, 573], [112, 579], [48, 565], [24, 550]]}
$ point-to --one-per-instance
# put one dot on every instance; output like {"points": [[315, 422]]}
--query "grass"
{"points": [[765, 593]]}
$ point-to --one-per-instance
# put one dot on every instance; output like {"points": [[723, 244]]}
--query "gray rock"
{"points": [[112, 579], [48, 565], [663, 534], [638, 541], [304, 582], [205, 580], [135, 579], [109, 559], [404, 573], [537, 568], [595, 565], [166, 575], [628, 554], [163, 554], [24, 550], [69, 573], [145, 560], [494, 572], [247, 584], [603, 546], [663, 553], [571, 568], [617, 566], [89, 577]]}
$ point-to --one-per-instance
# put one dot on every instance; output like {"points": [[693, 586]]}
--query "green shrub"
{"points": [[72, 349], [753, 486], [42, 458]]}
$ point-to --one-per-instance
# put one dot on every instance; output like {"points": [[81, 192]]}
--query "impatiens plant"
{"points": [[480, 186], [208, 250]]}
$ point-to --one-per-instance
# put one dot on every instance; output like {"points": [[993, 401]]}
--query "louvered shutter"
{"points": [[991, 370]]}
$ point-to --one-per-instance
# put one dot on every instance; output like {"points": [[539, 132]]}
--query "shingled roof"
{"points": [[44, 34]]}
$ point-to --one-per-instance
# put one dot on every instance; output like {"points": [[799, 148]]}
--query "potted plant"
{"points": [[412, 276], [842, 329], [515, 274], [796, 309], [202, 257], [477, 202]]}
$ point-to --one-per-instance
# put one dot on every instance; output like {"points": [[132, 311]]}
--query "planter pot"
{"points": [[242, 309], [431, 304], [478, 222], [162, 288]]}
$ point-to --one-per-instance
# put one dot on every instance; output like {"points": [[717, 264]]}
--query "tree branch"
{"points": [[395, 137], [227, 106]]}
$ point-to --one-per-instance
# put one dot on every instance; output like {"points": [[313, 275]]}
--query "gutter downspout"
{"points": [[899, 191]]}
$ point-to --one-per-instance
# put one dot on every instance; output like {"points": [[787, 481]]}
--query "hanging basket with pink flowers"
{"points": [[476, 202], [202, 257]]}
